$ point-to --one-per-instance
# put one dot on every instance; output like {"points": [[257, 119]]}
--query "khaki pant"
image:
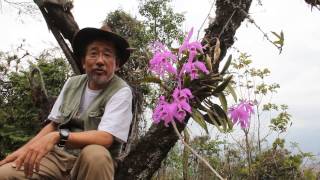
{"points": [[94, 162]]}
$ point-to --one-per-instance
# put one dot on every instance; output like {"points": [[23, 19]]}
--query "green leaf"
{"points": [[280, 37], [232, 92], [153, 79], [223, 101], [223, 118], [211, 118], [222, 86], [198, 117], [218, 117], [186, 81], [276, 34], [226, 66]]}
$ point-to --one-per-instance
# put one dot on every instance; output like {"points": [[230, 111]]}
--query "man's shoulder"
{"points": [[117, 86], [76, 80], [78, 77], [121, 82]]}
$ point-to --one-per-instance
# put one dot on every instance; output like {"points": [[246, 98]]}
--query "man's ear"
{"points": [[117, 64], [83, 64]]}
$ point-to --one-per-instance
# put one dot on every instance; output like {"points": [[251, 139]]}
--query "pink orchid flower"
{"points": [[241, 113], [192, 47], [180, 95], [164, 111], [192, 68], [181, 112], [178, 109], [161, 63]]}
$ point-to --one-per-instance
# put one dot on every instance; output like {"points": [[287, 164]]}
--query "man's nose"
{"points": [[100, 60]]}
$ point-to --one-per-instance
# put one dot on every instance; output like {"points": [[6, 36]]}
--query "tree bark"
{"points": [[314, 3], [229, 15], [60, 21], [146, 155]]}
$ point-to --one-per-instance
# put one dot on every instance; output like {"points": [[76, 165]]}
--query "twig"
{"points": [[194, 152], [254, 23], [205, 19], [264, 33], [229, 20]]}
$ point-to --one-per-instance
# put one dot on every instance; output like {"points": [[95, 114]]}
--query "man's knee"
{"points": [[94, 162], [8, 172], [95, 154]]}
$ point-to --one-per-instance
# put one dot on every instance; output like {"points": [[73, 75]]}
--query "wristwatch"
{"points": [[64, 135]]}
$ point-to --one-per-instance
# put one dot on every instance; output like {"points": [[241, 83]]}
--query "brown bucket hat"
{"points": [[87, 35]]}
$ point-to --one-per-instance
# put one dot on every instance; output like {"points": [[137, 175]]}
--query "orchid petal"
{"points": [[201, 66], [241, 113]]}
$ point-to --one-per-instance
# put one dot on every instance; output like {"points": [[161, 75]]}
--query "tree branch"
{"points": [[39, 93], [61, 22]]}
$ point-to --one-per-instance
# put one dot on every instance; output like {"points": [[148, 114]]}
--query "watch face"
{"points": [[64, 132]]}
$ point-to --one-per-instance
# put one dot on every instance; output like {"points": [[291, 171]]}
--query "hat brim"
{"points": [[88, 35]]}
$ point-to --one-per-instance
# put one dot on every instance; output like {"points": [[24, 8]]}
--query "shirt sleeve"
{"points": [[55, 115], [117, 117]]}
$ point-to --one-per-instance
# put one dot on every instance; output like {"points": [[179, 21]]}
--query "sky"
{"points": [[296, 69]]}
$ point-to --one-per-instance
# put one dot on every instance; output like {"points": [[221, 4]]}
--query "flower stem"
{"points": [[194, 152]]}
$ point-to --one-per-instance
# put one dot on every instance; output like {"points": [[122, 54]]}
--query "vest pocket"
{"points": [[94, 120]]}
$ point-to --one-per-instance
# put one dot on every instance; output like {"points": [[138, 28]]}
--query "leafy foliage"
{"points": [[19, 116], [278, 163], [163, 24], [134, 31], [281, 122], [207, 148]]}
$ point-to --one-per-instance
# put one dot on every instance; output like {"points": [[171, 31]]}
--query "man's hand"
{"points": [[30, 158], [13, 156]]}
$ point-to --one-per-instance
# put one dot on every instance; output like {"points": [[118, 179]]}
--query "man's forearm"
{"points": [[81, 139], [44, 131], [77, 139]]}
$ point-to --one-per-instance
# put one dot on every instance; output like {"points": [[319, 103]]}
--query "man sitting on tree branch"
{"points": [[89, 120]]}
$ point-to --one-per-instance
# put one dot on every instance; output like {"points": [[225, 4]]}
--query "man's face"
{"points": [[100, 63]]}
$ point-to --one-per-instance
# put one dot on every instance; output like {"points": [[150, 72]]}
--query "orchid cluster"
{"points": [[241, 113], [165, 64]]}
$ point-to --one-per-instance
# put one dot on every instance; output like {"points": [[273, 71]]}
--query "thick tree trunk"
{"points": [[314, 3], [229, 15], [146, 155]]}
